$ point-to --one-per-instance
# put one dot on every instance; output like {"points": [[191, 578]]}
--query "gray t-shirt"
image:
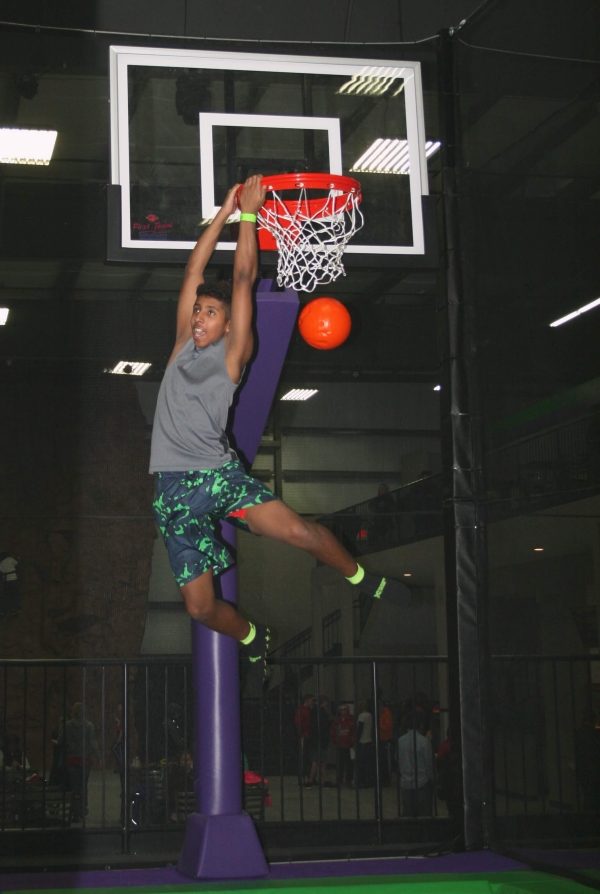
{"points": [[191, 412]]}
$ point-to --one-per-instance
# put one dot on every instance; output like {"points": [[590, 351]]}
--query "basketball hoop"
{"points": [[310, 233]]}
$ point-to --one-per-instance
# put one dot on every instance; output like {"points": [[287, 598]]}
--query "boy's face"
{"points": [[209, 321]]}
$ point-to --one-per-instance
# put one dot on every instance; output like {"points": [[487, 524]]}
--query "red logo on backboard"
{"points": [[151, 228]]}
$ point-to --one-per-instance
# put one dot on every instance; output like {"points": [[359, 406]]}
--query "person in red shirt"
{"points": [[448, 773], [386, 735], [342, 736], [302, 724]]}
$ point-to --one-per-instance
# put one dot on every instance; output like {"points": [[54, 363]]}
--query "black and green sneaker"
{"points": [[254, 658], [385, 588]]}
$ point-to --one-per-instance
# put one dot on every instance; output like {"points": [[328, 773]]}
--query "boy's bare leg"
{"points": [[221, 616], [200, 601], [278, 521]]}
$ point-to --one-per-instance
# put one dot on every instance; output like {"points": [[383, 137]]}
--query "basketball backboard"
{"points": [[187, 124]]}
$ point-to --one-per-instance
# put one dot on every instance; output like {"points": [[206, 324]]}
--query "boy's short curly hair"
{"points": [[220, 290]]}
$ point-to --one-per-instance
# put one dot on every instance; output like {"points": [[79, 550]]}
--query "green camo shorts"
{"points": [[188, 506]]}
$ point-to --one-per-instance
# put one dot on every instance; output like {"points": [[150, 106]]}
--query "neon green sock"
{"points": [[251, 635], [357, 576]]}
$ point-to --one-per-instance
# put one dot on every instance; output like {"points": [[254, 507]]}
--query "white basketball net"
{"points": [[311, 246]]}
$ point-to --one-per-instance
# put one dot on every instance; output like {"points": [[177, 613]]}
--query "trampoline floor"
{"points": [[479, 872]]}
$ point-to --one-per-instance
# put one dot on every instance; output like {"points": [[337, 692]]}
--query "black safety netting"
{"points": [[528, 83]]}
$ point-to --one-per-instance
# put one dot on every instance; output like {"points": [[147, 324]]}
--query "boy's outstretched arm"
{"points": [[197, 261], [245, 268]]}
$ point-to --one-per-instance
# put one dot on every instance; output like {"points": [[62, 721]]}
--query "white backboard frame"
{"points": [[410, 72], [208, 120]]}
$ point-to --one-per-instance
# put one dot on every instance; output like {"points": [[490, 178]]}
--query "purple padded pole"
{"points": [[220, 839]]}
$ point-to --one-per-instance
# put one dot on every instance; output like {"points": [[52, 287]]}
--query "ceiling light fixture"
{"points": [[300, 393], [437, 387], [576, 313], [538, 549], [129, 368], [3, 315], [374, 81], [407, 574], [26, 147], [387, 156]]}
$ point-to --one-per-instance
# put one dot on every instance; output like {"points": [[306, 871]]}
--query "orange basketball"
{"points": [[324, 323]]}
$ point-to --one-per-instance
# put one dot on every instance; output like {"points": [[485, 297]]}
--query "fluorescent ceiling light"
{"points": [[437, 387], [389, 157], [3, 315], [576, 313], [300, 393], [374, 81], [26, 147], [129, 368], [538, 549]]}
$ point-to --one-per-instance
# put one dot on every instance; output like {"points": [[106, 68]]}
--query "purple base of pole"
{"points": [[222, 847], [220, 839]]}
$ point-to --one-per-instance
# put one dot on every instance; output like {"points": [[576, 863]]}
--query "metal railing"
{"points": [[546, 735], [406, 515], [559, 465], [297, 646], [132, 773], [134, 718], [368, 786], [330, 626]]}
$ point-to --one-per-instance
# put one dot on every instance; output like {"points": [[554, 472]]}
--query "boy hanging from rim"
{"points": [[199, 478]]}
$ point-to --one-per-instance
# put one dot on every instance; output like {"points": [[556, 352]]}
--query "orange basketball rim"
{"points": [[309, 228]]}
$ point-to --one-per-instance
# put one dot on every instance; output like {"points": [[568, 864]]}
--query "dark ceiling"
{"points": [[530, 133]]}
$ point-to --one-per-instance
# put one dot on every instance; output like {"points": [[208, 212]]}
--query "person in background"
{"points": [[342, 736], [181, 787], [118, 752], [176, 730], [415, 764], [10, 593], [448, 775], [365, 747], [318, 742], [58, 771], [302, 724], [14, 756], [82, 749], [386, 735]]}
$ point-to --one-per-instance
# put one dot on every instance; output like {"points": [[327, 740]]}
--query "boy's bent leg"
{"points": [[200, 602], [221, 616], [278, 521]]}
